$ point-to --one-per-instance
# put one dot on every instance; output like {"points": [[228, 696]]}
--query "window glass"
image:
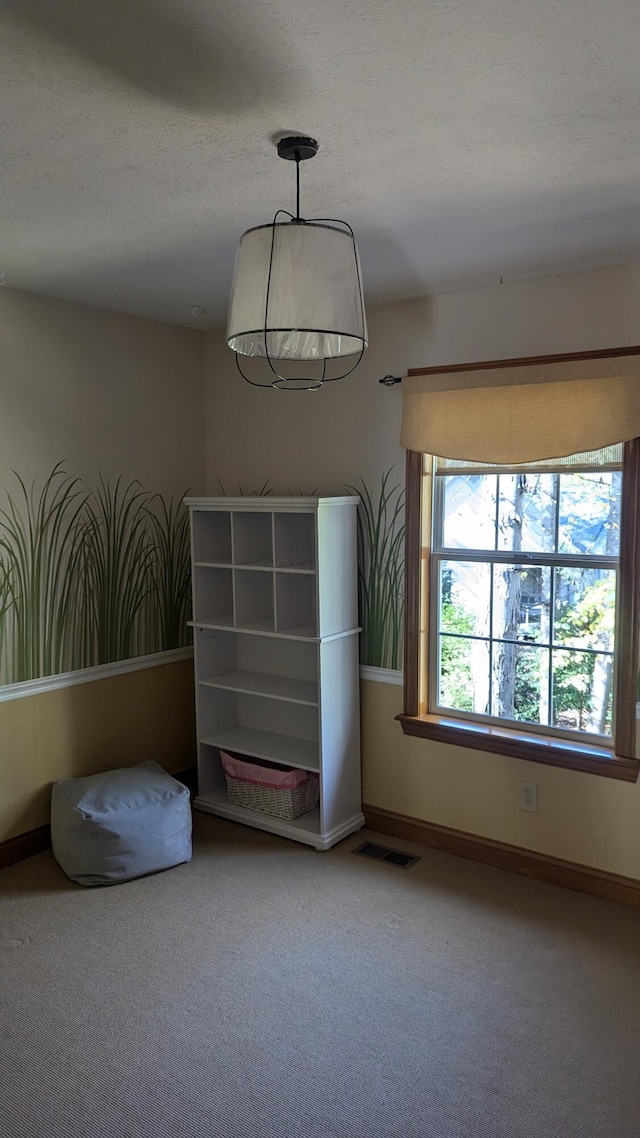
{"points": [[464, 674], [526, 610], [465, 588], [589, 513], [582, 691], [584, 609], [469, 511], [527, 512], [520, 683], [521, 603]]}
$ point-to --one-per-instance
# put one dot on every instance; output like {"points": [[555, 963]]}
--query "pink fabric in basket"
{"points": [[262, 776]]}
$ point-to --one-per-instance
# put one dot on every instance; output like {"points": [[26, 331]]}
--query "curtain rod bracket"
{"points": [[390, 380]]}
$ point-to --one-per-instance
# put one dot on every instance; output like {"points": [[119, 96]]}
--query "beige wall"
{"points": [[117, 395], [351, 429], [96, 726], [101, 392], [326, 439], [583, 818]]}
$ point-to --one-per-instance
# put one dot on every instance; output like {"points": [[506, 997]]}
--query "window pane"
{"points": [[521, 602], [527, 513], [584, 608], [590, 513], [464, 597], [520, 683], [582, 691], [464, 674], [470, 511]]}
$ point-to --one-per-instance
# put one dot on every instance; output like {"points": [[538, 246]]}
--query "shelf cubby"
{"points": [[285, 670], [254, 599], [261, 728], [306, 828], [295, 541], [211, 537], [253, 743], [213, 796], [261, 684], [252, 539], [296, 604], [213, 595]]}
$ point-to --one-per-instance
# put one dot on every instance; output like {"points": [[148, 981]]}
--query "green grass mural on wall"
{"points": [[89, 577], [381, 572]]}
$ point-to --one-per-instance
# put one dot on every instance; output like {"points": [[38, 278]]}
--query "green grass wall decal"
{"points": [[39, 545], [118, 566], [171, 596], [381, 572], [89, 577]]}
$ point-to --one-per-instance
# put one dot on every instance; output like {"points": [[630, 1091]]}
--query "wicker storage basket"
{"points": [[254, 788]]}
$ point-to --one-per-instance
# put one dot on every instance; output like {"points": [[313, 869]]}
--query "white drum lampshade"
{"points": [[297, 297]]}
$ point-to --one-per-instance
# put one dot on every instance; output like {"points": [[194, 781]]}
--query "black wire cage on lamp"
{"points": [[296, 297]]}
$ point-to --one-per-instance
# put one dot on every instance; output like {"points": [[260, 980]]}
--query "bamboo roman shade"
{"points": [[523, 414], [610, 458]]}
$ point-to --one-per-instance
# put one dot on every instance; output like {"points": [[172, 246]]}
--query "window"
{"points": [[524, 569], [522, 603]]}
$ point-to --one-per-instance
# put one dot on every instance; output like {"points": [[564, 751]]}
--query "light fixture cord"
{"points": [[297, 185]]}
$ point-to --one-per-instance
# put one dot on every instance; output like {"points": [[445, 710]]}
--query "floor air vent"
{"points": [[383, 853]]}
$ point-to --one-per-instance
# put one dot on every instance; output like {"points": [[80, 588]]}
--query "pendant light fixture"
{"points": [[296, 299]]}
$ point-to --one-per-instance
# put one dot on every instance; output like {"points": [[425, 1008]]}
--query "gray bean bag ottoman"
{"points": [[120, 825]]}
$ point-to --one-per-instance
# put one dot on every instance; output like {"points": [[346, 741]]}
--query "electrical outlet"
{"points": [[529, 797]]}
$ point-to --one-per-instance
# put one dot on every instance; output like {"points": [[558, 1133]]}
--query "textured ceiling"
{"points": [[464, 141]]}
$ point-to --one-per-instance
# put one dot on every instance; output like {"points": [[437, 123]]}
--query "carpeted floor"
{"points": [[269, 991]]}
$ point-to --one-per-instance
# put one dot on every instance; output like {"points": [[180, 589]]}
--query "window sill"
{"points": [[521, 745]]}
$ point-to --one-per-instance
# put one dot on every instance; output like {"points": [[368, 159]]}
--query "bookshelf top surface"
{"points": [[269, 504]]}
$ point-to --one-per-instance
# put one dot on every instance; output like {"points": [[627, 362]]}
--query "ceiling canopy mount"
{"points": [[297, 147]]}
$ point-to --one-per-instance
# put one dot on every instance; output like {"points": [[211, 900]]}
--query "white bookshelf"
{"points": [[275, 620]]}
